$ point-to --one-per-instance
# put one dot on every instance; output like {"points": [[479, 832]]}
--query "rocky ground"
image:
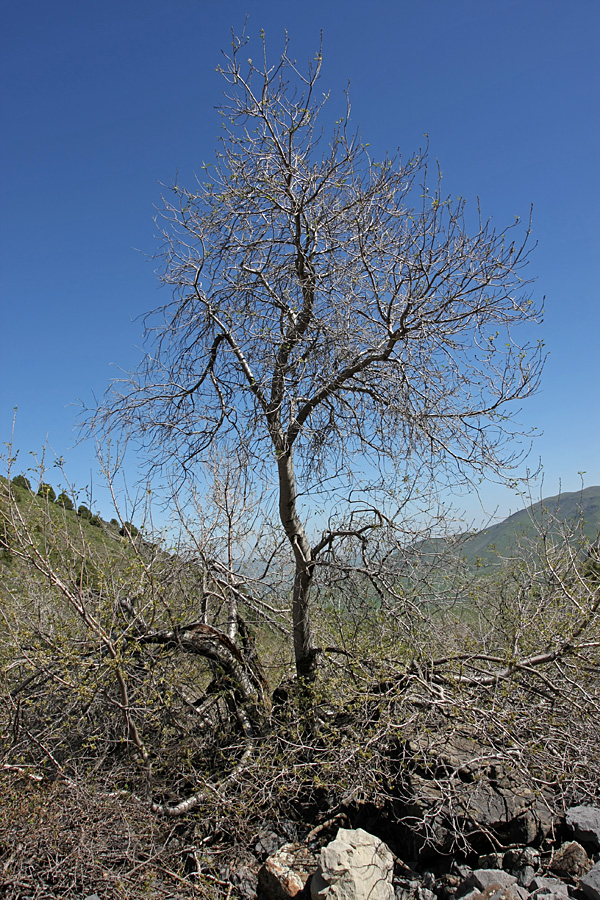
{"points": [[359, 866], [460, 824], [481, 836]]}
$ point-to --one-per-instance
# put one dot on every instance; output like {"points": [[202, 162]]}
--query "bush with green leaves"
{"points": [[83, 512], [128, 528], [47, 492], [21, 481], [65, 501]]}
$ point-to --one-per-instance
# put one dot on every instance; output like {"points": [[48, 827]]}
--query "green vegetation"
{"points": [[65, 501], [21, 481], [128, 529], [580, 510], [118, 683], [115, 655], [47, 492]]}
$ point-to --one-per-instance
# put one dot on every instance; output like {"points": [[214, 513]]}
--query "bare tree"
{"points": [[333, 321]]}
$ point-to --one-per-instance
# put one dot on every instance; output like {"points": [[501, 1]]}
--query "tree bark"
{"points": [[304, 651]]}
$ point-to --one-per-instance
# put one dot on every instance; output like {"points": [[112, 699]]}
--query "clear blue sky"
{"points": [[102, 101]]}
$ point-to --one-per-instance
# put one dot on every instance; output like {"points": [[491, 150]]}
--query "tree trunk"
{"points": [[304, 651]]}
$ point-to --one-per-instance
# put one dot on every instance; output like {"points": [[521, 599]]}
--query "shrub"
{"points": [[47, 492], [22, 481], [64, 500], [84, 512], [96, 521], [128, 528]]}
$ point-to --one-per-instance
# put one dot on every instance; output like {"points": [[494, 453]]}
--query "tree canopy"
{"points": [[334, 322]]}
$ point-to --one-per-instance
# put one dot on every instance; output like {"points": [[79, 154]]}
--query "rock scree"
{"points": [[358, 865]]}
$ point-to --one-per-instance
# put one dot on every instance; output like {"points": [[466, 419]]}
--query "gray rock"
{"points": [[465, 871], [541, 886], [511, 892], [584, 822], [525, 876], [495, 892], [545, 894], [424, 893], [523, 864], [405, 889], [488, 796], [429, 880], [245, 881], [355, 866], [267, 844], [447, 886], [482, 879], [590, 883], [521, 892], [570, 859], [285, 873]]}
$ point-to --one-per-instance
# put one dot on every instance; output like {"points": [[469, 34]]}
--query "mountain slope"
{"points": [[503, 538]]}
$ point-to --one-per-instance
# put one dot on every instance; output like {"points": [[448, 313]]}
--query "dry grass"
{"points": [[63, 840]]}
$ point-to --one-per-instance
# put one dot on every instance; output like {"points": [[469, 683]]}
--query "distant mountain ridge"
{"points": [[502, 539]]}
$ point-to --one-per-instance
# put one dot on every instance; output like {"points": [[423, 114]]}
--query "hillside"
{"points": [[502, 539], [93, 535]]}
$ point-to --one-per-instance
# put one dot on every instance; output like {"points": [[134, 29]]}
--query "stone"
{"points": [[571, 860], [424, 893], [429, 880], [523, 864], [584, 822], [519, 891], [354, 866], [405, 889], [465, 871], [590, 883], [494, 892], [541, 886], [545, 894], [510, 892], [245, 881], [474, 893], [285, 873], [482, 879], [449, 782], [447, 886], [267, 844]]}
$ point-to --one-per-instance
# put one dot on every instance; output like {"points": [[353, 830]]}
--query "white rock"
{"points": [[355, 866]]}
